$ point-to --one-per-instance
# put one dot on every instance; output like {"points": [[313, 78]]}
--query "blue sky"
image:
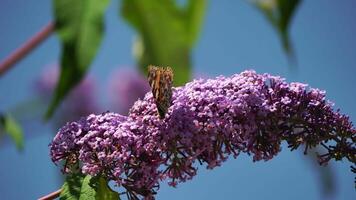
{"points": [[235, 37]]}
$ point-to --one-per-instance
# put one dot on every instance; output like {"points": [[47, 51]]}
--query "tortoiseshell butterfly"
{"points": [[161, 80]]}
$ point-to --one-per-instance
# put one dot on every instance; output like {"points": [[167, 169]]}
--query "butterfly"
{"points": [[161, 80]]}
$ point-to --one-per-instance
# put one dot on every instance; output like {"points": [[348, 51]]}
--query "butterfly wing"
{"points": [[161, 80]]}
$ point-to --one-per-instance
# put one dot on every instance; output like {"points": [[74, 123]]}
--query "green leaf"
{"points": [[10, 127], [80, 26], [166, 33], [96, 188], [195, 13], [78, 187], [71, 188], [280, 13]]}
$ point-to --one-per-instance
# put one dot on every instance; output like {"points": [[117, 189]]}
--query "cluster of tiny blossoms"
{"points": [[208, 121]]}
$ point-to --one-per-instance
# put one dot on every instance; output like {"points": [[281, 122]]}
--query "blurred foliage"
{"points": [[72, 187], [10, 127], [80, 187], [80, 26], [280, 13], [167, 33]]}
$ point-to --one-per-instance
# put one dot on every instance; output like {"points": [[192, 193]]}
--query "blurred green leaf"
{"points": [[72, 187], [80, 26], [167, 33], [280, 13], [195, 12], [10, 127], [80, 187], [97, 188]]}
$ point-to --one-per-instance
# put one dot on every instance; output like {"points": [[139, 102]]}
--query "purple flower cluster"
{"points": [[208, 121]]}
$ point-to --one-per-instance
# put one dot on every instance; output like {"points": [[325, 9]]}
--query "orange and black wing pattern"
{"points": [[161, 82]]}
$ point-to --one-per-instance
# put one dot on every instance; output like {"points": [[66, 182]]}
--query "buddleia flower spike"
{"points": [[161, 81]]}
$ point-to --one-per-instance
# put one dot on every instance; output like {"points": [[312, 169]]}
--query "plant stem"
{"points": [[53, 195], [29, 45]]}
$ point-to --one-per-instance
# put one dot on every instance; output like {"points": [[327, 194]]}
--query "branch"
{"points": [[21, 52], [53, 195]]}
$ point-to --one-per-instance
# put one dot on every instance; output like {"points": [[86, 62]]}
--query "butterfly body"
{"points": [[161, 81]]}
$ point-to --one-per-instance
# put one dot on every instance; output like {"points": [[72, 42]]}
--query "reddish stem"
{"points": [[22, 51], [51, 196]]}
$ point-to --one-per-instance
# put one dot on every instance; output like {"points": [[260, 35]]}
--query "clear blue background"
{"points": [[235, 37]]}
